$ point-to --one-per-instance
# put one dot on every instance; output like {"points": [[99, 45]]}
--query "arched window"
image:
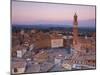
{"points": [[15, 70]]}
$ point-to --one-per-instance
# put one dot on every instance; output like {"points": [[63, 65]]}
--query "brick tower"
{"points": [[75, 32]]}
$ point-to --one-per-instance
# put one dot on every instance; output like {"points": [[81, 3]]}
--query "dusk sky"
{"points": [[32, 13]]}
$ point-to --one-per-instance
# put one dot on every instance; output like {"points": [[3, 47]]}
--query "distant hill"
{"points": [[51, 27]]}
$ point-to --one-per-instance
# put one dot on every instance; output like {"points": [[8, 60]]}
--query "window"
{"points": [[15, 70]]}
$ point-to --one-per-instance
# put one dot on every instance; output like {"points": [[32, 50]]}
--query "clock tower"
{"points": [[75, 30]]}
